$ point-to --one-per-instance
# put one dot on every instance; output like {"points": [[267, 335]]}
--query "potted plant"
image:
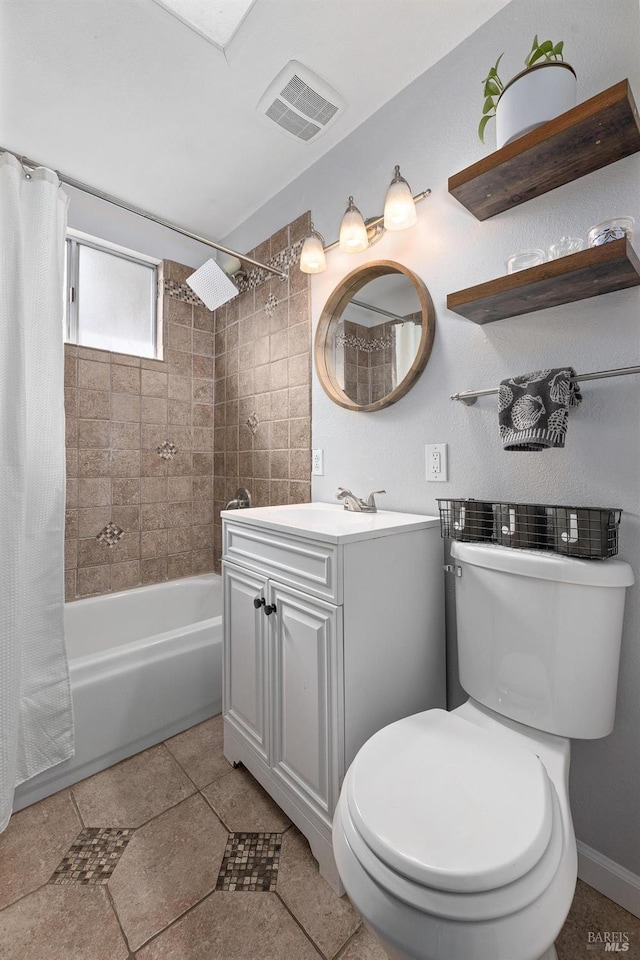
{"points": [[543, 90]]}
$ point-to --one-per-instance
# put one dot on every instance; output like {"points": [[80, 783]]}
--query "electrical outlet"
{"points": [[436, 462], [317, 463]]}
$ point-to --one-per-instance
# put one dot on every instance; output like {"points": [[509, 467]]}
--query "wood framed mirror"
{"points": [[374, 336]]}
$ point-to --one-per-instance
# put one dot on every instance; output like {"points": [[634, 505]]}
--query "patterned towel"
{"points": [[533, 409]]}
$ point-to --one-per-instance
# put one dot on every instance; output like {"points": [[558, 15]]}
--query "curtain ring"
{"points": [[27, 175]]}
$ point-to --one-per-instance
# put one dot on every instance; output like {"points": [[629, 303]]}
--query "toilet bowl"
{"points": [[453, 833], [495, 878]]}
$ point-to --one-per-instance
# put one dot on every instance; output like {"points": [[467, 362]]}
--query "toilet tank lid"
{"points": [[543, 565]]}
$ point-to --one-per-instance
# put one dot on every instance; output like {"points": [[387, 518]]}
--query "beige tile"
{"points": [[233, 926], [203, 561], [203, 464], [33, 845], [71, 461], [178, 362], [199, 751], [279, 375], [179, 539], [91, 520], [179, 337], [202, 343], [153, 516], [299, 339], [125, 575], [279, 346], [126, 359], [178, 311], [203, 367], [202, 415], [300, 401], [71, 523], [202, 439], [300, 491], [299, 370], [125, 436], [203, 488], [179, 565], [279, 462], [70, 584], [125, 491], [153, 489], [154, 384], [364, 946], [71, 432], [202, 511], [71, 492], [94, 463], [91, 353], [179, 387], [300, 464], [132, 792], [179, 514], [202, 391], [92, 552], [92, 375], [300, 432], [93, 404], [94, 433], [93, 580], [125, 406], [592, 912], [153, 410], [242, 804], [179, 412], [94, 492], [327, 918], [278, 492], [153, 570], [62, 922], [168, 866], [179, 489], [153, 543], [70, 554], [125, 379], [125, 463], [70, 370]]}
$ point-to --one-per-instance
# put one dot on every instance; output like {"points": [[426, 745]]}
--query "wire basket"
{"points": [[587, 532]]}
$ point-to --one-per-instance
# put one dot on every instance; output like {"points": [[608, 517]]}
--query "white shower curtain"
{"points": [[36, 722], [407, 336]]}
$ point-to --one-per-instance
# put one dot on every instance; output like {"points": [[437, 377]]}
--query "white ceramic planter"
{"points": [[533, 97]]}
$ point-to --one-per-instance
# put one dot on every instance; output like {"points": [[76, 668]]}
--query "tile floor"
{"points": [[174, 855]]}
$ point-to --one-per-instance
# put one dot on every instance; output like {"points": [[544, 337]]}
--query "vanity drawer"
{"points": [[310, 565]]}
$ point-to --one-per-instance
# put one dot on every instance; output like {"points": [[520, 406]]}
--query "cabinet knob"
{"points": [[258, 602], [269, 609]]}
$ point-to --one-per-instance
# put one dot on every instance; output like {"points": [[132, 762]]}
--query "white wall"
{"points": [[108, 222], [429, 129]]}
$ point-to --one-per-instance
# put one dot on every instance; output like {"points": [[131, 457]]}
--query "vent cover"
{"points": [[302, 104]]}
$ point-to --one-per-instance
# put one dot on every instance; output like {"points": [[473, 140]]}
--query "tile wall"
{"points": [[262, 351], [141, 470], [140, 456], [368, 361]]}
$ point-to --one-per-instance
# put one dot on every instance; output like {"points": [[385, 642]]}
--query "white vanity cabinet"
{"points": [[333, 628]]}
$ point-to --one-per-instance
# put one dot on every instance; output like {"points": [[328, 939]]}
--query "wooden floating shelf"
{"points": [[589, 273], [592, 135]]}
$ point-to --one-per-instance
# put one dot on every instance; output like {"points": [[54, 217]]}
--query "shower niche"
{"points": [[374, 337]]}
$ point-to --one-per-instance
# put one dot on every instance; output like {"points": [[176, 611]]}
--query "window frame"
{"points": [[76, 239]]}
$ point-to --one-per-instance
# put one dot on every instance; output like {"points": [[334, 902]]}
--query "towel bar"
{"points": [[469, 397]]}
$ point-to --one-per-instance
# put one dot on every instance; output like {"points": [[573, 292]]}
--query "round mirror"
{"points": [[374, 336]]}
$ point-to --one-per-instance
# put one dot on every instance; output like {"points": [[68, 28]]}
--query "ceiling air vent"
{"points": [[301, 103]]}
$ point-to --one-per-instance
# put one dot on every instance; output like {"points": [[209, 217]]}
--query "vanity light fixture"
{"points": [[399, 206], [312, 258], [353, 232], [356, 233]]}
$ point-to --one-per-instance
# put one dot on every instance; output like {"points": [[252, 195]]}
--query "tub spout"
{"points": [[241, 501]]}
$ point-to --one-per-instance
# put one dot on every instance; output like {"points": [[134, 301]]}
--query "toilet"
{"points": [[453, 834]]}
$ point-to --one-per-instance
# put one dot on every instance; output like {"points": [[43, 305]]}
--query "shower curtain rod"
{"points": [[85, 188]]}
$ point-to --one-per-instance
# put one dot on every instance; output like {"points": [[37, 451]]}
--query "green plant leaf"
{"points": [[482, 125], [558, 49], [489, 104], [535, 56], [491, 88]]}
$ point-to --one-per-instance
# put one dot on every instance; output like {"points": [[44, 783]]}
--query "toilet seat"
{"points": [[496, 840]]}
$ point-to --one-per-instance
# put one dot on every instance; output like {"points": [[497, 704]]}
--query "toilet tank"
{"points": [[539, 636]]}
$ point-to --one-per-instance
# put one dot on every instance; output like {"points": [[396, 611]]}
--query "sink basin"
{"points": [[329, 521]]}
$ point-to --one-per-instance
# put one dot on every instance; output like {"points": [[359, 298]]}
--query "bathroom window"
{"points": [[112, 298]]}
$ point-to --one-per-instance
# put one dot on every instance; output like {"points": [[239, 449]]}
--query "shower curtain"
{"points": [[407, 341], [36, 722]]}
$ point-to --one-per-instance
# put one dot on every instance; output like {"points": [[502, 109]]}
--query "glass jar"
{"points": [[610, 230], [565, 247], [524, 260]]}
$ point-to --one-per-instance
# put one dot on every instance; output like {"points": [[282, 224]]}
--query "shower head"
{"points": [[212, 285]]}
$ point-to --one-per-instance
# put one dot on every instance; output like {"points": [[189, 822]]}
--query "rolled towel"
{"points": [[533, 409]]}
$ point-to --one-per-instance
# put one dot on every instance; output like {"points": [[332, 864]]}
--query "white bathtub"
{"points": [[144, 664]]}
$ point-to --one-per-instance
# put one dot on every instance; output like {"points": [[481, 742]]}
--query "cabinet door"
{"points": [[306, 686], [245, 694]]}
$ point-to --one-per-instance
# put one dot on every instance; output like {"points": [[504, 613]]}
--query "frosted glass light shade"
{"points": [[353, 233], [312, 258], [399, 205]]}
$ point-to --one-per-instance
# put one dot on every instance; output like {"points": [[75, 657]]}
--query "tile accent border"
{"points": [[110, 535], [250, 863]]}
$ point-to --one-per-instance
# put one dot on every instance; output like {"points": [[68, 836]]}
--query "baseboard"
{"points": [[609, 878]]}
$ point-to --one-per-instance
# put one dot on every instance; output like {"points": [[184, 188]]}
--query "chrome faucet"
{"points": [[355, 504], [241, 501]]}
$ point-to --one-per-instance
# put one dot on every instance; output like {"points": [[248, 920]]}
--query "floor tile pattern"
{"points": [[175, 805], [93, 857], [250, 862]]}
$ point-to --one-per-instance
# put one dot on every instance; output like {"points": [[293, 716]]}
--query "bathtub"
{"points": [[144, 665]]}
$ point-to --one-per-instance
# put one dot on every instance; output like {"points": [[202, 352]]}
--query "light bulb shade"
{"points": [[312, 258], [399, 205], [212, 285], [353, 233]]}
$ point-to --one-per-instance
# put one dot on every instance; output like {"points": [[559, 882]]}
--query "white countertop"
{"points": [[330, 522]]}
